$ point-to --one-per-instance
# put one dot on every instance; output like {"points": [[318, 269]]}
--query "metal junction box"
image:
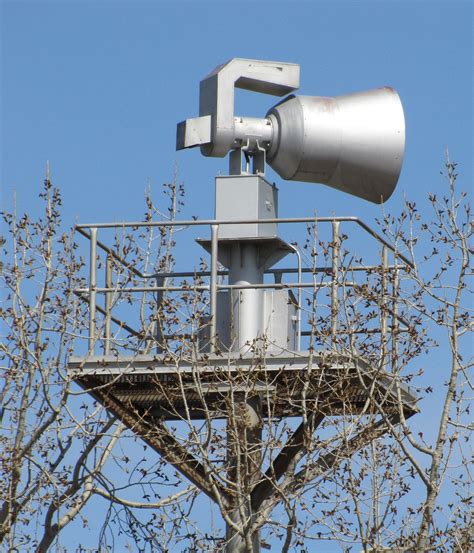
{"points": [[243, 197]]}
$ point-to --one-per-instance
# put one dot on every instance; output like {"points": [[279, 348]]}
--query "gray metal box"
{"points": [[279, 321], [243, 197]]}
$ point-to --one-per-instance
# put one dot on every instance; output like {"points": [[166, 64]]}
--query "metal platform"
{"points": [[152, 393], [157, 386]]}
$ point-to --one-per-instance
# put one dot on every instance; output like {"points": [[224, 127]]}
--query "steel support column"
{"points": [[245, 459], [245, 422]]}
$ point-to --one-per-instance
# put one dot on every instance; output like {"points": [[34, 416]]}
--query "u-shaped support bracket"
{"points": [[214, 129]]}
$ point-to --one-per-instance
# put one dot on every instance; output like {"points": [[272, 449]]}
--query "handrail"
{"points": [[289, 220], [206, 287], [214, 286], [221, 272], [114, 254]]}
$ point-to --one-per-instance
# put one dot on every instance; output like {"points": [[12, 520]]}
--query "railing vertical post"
{"points": [[92, 289], [158, 329], [213, 288], [299, 300], [395, 290], [108, 303], [335, 280], [384, 305]]}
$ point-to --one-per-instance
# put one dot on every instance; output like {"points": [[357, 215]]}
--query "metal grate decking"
{"points": [[157, 386]]}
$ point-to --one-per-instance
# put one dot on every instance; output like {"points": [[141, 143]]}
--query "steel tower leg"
{"points": [[244, 450], [245, 430]]}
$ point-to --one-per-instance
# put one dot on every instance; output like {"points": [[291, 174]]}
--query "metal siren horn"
{"points": [[353, 143]]}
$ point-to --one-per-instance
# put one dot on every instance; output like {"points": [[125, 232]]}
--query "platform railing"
{"points": [[387, 308]]}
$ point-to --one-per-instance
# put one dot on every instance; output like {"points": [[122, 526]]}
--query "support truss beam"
{"points": [[285, 459], [323, 464], [166, 445], [328, 461]]}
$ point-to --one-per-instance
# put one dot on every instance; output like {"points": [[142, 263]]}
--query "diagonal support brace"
{"points": [[166, 445], [285, 459]]}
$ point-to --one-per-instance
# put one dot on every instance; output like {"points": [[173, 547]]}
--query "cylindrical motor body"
{"points": [[247, 303], [354, 143], [256, 132]]}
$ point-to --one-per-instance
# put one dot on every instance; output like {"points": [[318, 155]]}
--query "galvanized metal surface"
{"points": [[108, 304], [207, 222], [299, 303], [280, 320], [354, 143], [270, 250], [213, 286], [246, 197], [143, 364], [92, 288], [144, 398], [154, 383], [247, 303], [279, 325], [215, 130]]}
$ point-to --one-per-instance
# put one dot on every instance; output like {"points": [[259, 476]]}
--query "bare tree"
{"points": [[412, 490], [55, 441], [441, 296], [47, 451], [283, 452]]}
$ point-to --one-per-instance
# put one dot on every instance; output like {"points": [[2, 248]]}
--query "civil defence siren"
{"points": [[353, 143]]}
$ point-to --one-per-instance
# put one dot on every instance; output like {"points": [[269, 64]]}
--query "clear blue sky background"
{"points": [[97, 88]]}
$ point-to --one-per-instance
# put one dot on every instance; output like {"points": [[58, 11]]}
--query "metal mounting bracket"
{"points": [[214, 129]]}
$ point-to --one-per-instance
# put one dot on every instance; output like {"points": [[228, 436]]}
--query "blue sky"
{"points": [[96, 88]]}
